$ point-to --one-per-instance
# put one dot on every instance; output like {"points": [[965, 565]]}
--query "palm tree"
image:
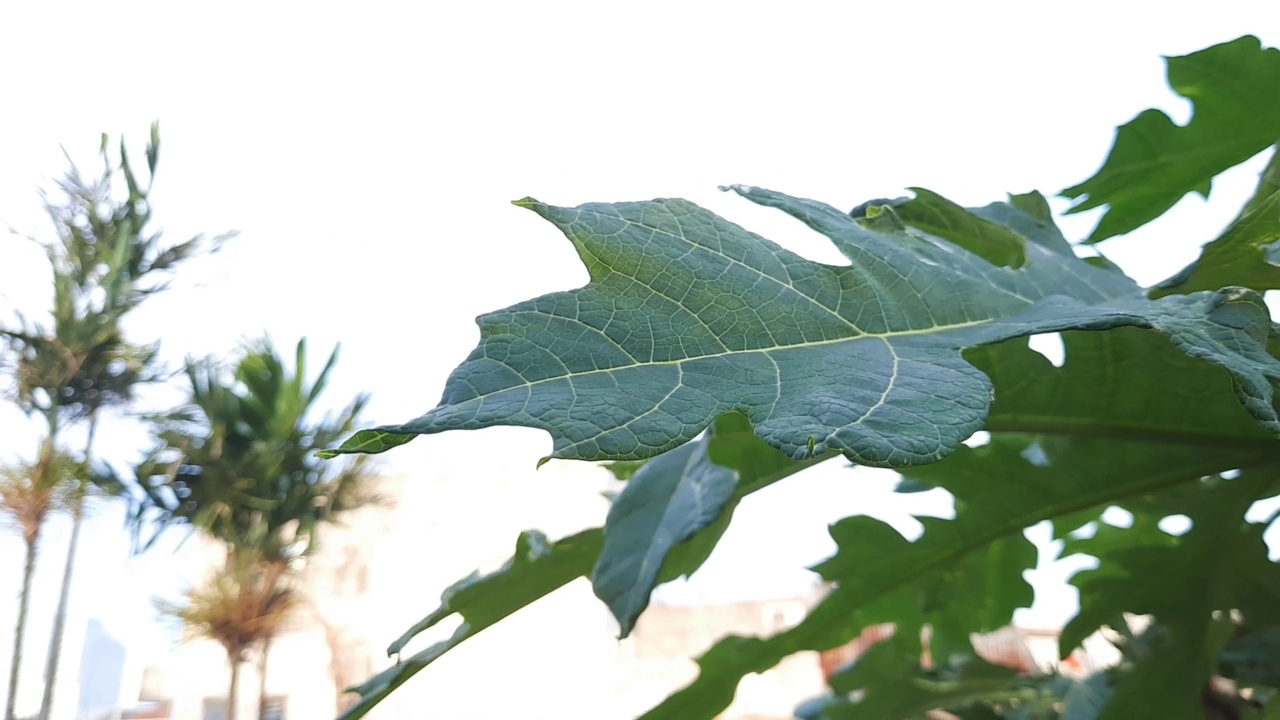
{"points": [[84, 368], [242, 605], [238, 464], [64, 376], [103, 267], [27, 498]]}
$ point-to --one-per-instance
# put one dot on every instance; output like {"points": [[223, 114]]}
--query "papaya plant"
{"points": [[730, 363]]}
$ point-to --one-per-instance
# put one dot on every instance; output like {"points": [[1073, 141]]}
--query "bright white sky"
{"points": [[368, 154]]}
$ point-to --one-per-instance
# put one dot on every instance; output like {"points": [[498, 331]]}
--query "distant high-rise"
{"points": [[101, 673]]}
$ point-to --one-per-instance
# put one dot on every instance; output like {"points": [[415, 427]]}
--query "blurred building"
{"points": [[101, 673]]}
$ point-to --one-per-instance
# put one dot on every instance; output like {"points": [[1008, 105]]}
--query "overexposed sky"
{"points": [[368, 154]]}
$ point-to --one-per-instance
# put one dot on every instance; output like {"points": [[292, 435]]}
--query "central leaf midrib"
{"points": [[886, 336]]}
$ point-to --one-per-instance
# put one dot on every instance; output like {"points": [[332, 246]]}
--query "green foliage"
{"points": [[891, 685], [238, 462], [1246, 254], [105, 263], [28, 495], [730, 321], [538, 568], [1165, 405], [77, 361], [684, 496], [1154, 162]]}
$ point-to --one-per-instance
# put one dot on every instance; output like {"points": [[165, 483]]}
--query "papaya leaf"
{"points": [[665, 503], [1268, 183], [1000, 489], [673, 497], [1215, 566], [1253, 658], [938, 216], [1220, 564], [978, 592], [1126, 384], [891, 685], [688, 316], [367, 441], [1155, 162], [967, 688], [1247, 254], [1095, 444], [538, 568]]}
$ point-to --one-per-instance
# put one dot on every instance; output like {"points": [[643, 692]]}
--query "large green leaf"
{"points": [[1219, 565], [538, 568], [938, 216], [1268, 183], [1253, 658], [688, 316], [977, 592], [1001, 488], [1126, 415], [665, 503], [1247, 254], [669, 500], [888, 683], [891, 686], [1155, 162], [1192, 428], [1126, 384]]}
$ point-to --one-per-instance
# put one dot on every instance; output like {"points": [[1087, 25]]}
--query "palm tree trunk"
{"points": [[233, 692], [60, 620], [28, 570], [64, 595], [262, 678]]}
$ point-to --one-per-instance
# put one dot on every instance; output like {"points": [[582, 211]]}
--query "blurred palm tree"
{"points": [[242, 605], [237, 463], [27, 498], [77, 363]]}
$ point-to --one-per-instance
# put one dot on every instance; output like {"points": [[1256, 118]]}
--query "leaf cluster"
{"points": [[730, 363], [104, 263], [238, 461]]}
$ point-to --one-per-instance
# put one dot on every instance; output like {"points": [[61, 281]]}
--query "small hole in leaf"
{"points": [[1265, 510], [1175, 524], [1084, 532], [1050, 346], [1117, 517], [1035, 455], [1272, 299]]}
